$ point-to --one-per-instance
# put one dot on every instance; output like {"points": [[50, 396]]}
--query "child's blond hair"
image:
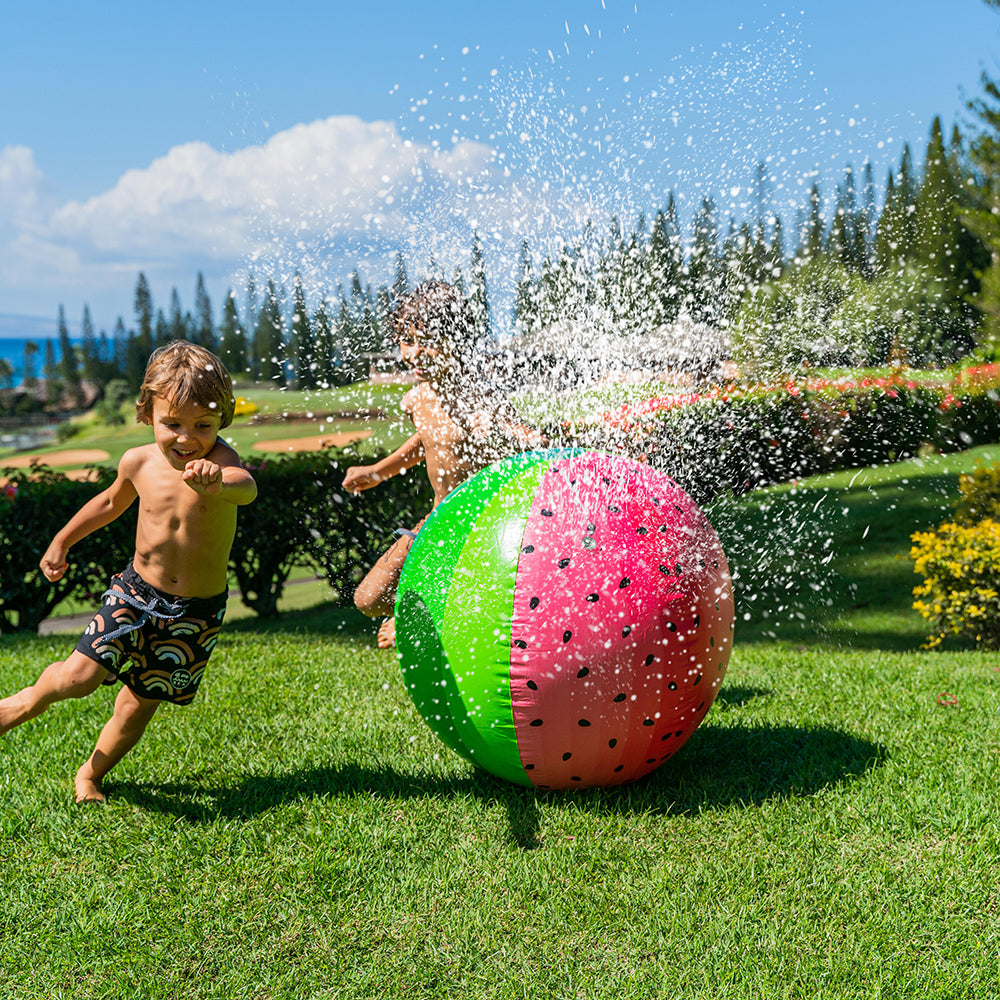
{"points": [[182, 373]]}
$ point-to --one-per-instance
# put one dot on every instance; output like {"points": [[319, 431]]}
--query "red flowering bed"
{"points": [[737, 438]]}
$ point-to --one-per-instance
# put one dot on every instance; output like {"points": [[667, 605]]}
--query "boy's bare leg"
{"points": [[376, 594], [120, 733], [75, 677]]}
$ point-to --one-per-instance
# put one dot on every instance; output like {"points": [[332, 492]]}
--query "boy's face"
{"points": [[184, 433], [428, 363]]}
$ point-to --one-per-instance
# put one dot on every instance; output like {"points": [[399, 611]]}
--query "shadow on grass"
{"points": [[327, 619], [721, 767]]}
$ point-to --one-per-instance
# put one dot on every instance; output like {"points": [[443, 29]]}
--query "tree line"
{"points": [[852, 285]]}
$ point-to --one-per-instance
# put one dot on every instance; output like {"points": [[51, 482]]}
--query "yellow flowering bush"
{"points": [[979, 495], [960, 564]]}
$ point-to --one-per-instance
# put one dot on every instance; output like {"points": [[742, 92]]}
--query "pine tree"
{"points": [[232, 337], [178, 328], [525, 305], [400, 284], [89, 348], [982, 215], [53, 386], [161, 329], [144, 313], [268, 340], [204, 327], [812, 238], [303, 365], [866, 224], [68, 362], [478, 295], [325, 350], [705, 277]]}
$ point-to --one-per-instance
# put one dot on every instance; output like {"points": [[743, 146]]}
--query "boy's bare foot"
{"points": [[87, 789], [387, 634]]}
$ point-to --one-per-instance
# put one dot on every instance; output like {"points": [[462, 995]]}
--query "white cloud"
{"points": [[323, 189], [319, 198]]}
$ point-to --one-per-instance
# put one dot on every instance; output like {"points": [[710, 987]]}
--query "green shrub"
{"points": [[302, 517], [34, 504]]}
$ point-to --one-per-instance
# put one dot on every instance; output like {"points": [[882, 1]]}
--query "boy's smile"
{"points": [[184, 433]]}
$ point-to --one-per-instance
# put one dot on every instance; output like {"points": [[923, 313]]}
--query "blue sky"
{"points": [[230, 138]]}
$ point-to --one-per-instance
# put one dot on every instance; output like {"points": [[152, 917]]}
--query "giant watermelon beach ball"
{"points": [[564, 619]]}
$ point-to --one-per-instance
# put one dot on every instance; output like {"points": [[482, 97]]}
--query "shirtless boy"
{"points": [[162, 613], [461, 425]]}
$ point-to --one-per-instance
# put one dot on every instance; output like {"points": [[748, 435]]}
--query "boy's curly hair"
{"points": [[182, 373], [440, 312]]}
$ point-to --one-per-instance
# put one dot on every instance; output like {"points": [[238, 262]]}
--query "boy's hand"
{"points": [[203, 476], [360, 477], [53, 564]]}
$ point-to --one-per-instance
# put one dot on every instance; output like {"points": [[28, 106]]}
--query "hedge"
{"points": [[735, 440]]}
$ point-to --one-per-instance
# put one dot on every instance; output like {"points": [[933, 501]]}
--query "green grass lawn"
{"points": [[830, 830]]}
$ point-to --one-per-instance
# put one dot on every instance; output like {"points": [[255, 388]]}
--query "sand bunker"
{"points": [[52, 459], [316, 442]]}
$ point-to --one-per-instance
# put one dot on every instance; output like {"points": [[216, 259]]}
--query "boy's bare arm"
{"points": [[231, 483], [95, 513], [363, 477]]}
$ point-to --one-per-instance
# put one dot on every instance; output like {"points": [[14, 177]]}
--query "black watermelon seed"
{"points": [[652, 760], [697, 620], [672, 685], [567, 635], [612, 743], [626, 630], [614, 509], [528, 548], [536, 722], [532, 685], [566, 756], [563, 563], [620, 697], [711, 640], [533, 603], [671, 626], [697, 680], [583, 671], [665, 736], [665, 569], [575, 778], [642, 531], [529, 767], [648, 722], [620, 767], [700, 707], [625, 581], [650, 658], [593, 598], [546, 513], [584, 723], [591, 528], [605, 480], [520, 643], [656, 500], [679, 508], [680, 732], [663, 527]]}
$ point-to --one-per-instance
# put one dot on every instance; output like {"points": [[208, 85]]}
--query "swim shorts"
{"points": [[154, 643]]}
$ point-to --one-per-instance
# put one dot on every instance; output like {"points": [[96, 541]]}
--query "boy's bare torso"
{"points": [[183, 538], [455, 450]]}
